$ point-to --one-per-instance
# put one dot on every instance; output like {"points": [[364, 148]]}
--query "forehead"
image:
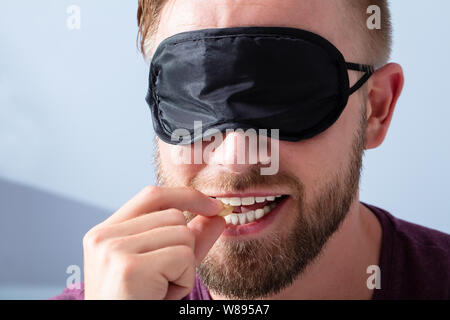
{"points": [[324, 17]]}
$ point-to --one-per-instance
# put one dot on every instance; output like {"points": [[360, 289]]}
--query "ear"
{"points": [[383, 90]]}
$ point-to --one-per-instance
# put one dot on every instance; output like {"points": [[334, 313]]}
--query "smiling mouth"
{"points": [[249, 209]]}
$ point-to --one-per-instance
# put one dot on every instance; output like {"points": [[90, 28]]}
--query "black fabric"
{"points": [[249, 77]]}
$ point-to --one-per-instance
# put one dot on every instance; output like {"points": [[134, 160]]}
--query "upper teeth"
{"points": [[247, 201]]}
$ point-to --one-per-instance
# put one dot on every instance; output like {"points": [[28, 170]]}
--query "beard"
{"points": [[258, 268]]}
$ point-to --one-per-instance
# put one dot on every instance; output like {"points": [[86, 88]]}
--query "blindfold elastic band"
{"points": [[369, 70]]}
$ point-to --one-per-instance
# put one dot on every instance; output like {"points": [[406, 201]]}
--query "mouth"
{"points": [[250, 209]]}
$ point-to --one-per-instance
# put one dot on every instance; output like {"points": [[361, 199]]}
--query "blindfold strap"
{"points": [[369, 70]]}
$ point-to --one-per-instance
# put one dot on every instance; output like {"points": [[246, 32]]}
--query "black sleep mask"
{"points": [[249, 77]]}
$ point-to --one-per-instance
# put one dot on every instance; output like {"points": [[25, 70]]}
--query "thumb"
{"points": [[206, 231]]}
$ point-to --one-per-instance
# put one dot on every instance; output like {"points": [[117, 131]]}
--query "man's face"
{"points": [[319, 176]]}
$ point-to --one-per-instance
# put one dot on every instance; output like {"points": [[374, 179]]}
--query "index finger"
{"points": [[153, 198]]}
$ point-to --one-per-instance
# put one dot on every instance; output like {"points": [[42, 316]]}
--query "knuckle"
{"points": [[195, 192], [115, 244], [186, 235], [93, 237], [151, 191], [177, 217], [185, 253], [128, 267]]}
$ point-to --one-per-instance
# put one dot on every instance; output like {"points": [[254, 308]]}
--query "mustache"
{"points": [[252, 178]]}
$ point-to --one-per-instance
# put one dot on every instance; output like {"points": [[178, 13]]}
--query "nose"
{"points": [[237, 153]]}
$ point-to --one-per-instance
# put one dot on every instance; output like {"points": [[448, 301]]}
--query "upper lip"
{"points": [[245, 194]]}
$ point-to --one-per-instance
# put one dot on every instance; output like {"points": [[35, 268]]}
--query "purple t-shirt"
{"points": [[414, 263]]}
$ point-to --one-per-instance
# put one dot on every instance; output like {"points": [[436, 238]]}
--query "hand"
{"points": [[146, 250]]}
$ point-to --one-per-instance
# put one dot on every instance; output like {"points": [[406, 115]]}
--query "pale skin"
{"points": [[146, 250]]}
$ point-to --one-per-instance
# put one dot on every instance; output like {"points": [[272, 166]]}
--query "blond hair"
{"points": [[377, 41]]}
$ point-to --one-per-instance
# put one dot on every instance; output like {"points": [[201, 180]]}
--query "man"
{"points": [[299, 233]]}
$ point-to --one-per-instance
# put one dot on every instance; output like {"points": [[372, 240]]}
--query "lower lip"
{"points": [[254, 227]]}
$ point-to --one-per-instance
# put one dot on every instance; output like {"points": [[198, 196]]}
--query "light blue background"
{"points": [[76, 139]]}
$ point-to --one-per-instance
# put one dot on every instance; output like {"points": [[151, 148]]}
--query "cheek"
{"points": [[179, 174], [318, 159]]}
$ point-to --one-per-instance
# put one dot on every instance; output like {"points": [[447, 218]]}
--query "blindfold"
{"points": [[248, 78]]}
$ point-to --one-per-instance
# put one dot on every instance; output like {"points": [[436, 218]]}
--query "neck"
{"points": [[340, 270]]}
